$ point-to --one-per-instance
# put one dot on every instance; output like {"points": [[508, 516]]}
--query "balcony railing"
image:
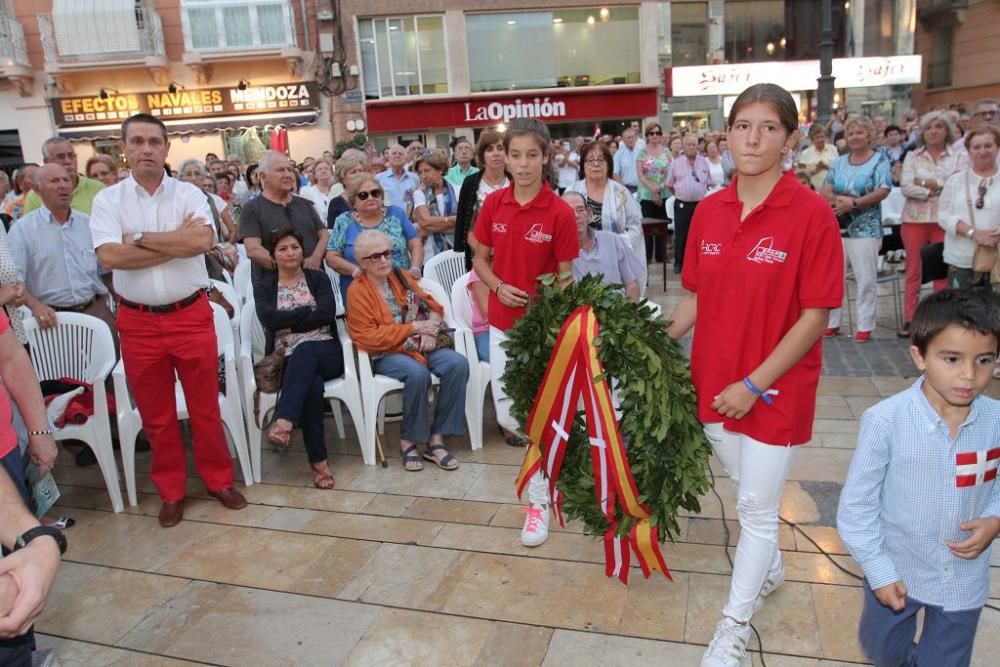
{"points": [[12, 47], [91, 35], [237, 25], [930, 9]]}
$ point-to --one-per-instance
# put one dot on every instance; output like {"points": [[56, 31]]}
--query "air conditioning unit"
{"points": [[325, 15]]}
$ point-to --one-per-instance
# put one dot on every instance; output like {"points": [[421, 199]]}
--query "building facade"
{"points": [[960, 44], [225, 76]]}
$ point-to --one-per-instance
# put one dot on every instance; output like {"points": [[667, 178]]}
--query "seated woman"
{"points": [[384, 321], [299, 313]]}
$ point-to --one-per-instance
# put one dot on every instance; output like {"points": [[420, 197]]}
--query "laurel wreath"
{"points": [[667, 449]]}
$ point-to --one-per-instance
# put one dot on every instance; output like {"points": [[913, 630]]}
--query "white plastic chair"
{"points": [[80, 347], [241, 279], [130, 423], [445, 268], [479, 371], [374, 386], [345, 389]]}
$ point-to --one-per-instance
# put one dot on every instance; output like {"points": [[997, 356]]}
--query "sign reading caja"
{"points": [[184, 104]]}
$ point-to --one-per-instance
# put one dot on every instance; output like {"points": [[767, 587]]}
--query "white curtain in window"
{"points": [[87, 27]]}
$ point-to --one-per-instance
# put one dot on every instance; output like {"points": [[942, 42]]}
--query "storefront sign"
{"points": [[184, 104], [484, 110], [793, 75]]}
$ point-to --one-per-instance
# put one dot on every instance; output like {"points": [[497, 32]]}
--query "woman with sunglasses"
{"points": [[365, 195], [969, 210], [299, 314], [397, 323], [653, 167]]}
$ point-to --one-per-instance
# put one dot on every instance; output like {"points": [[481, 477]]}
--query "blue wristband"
{"points": [[757, 392]]}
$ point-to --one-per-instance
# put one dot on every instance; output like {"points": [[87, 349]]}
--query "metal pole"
{"points": [[824, 91]]}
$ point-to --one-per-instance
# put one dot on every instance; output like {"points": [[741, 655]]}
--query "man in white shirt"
{"points": [[152, 230], [625, 161], [396, 181]]}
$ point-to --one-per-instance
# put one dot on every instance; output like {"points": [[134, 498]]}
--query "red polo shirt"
{"points": [[8, 437], [527, 242], [753, 279]]}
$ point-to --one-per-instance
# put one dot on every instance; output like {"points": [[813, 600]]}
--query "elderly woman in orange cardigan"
{"points": [[397, 323]]}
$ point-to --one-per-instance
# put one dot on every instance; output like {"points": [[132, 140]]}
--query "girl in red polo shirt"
{"points": [[524, 231], [763, 258]]}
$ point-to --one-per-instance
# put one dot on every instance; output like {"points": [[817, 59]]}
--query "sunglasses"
{"points": [[656, 132], [981, 198], [376, 193], [379, 256]]}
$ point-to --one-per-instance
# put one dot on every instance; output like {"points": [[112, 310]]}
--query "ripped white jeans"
{"points": [[758, 472]]}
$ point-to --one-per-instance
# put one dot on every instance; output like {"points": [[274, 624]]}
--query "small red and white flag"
{"points": [[972, 468]]}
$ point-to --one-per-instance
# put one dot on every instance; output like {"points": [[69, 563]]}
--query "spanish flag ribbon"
{"points": [[575, 374]]}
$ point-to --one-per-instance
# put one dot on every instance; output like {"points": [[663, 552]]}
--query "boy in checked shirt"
{"points": [[921, 505]]}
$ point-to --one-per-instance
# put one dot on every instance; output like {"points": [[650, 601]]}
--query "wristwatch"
{"points": [[970, 232], [137, 238], [40, 531]]}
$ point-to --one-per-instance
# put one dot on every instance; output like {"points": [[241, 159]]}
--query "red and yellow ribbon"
{"points": [[574, 373]]}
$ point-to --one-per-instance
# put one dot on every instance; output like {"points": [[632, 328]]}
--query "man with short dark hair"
{"points": [[153, 231], [58, 150]]}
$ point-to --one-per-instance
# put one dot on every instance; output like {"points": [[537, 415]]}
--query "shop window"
{"points": [[762, 30], [403, 56], [574, 47], [237, 24], [689, 33], [880, 28], [939, 69]]}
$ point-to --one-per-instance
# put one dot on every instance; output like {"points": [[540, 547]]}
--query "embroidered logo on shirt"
{"points": [[711, 248], [764, 252], [499, 228], [972, 468], [536, 235]]}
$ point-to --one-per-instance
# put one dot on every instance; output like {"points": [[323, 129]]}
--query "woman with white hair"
{"points": [[925, 171], [855, 185], [193, 171], [350, 164]]}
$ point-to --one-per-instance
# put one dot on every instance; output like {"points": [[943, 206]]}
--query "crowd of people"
{"points": [[778, 209]]}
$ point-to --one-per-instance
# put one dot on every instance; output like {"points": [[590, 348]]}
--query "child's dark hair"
{"points": [[973, 309]]}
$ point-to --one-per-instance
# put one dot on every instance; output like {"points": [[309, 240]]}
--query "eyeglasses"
{"points": [[981, 198], [986, 114], [379, 256], [377, 193], [654, 132], [594, 162]]}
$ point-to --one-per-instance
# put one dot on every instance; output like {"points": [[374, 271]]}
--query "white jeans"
{"points": [[758, 472], [498, 363], [863, 257]]}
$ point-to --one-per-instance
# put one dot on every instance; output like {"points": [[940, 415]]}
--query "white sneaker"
{"points": [[774, 579], [536, 525], [728, 647]]}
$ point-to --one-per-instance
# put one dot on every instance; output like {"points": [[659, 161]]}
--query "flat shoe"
{"points": [[230, 498], [515, 440], [447, 462], [171, 513]]}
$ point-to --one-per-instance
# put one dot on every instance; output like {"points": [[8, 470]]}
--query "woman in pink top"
{"points": [[480, 294]]}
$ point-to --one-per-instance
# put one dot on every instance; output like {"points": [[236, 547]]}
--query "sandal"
{"points": [[281, 438], [321, 479], [411, 462], [62, 523], [446, 462]]}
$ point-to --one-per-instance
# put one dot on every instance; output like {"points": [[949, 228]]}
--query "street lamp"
{"points": [[824, 88]]}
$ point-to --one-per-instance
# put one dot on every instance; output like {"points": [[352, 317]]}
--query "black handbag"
{"points": [[932, 264]]}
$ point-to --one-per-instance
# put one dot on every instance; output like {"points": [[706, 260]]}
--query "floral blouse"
{"points": [[919, 166], [290, 298], [9, 276], [656, 169]]}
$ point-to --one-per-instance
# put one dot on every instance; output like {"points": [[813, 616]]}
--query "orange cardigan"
{"points": [[369, 319]]}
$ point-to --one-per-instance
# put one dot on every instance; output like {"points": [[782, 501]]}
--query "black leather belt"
{"points": [[79, 308], [165, 308]]}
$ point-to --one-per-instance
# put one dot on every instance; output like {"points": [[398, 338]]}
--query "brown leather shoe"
{"points": [[230, 498], [171, 513]]}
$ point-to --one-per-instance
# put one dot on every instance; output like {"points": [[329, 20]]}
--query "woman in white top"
{"points": [[816, 159], [323, 189], [716, 170], [969, 208]]}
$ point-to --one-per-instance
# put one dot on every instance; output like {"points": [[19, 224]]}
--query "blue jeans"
{"points": [[886, 636], [307, 369], [16, 652], [449, 413], [483, 346]]}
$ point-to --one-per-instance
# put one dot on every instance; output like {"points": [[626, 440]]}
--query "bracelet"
{"points": [[496, 290], [45, 432], [757, 392], [970, 232], [356, 272]]}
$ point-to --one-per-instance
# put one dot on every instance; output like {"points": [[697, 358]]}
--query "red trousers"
{"points": [[155, 347], [915, 236]]}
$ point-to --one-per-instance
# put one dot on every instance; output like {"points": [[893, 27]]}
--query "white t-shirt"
{"points": [[319, 200], [566, 173]]}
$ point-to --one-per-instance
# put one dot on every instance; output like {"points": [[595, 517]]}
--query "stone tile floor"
{"points": [[397, 568]]}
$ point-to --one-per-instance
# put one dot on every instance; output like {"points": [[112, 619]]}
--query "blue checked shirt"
{"points": [[908, 489]]}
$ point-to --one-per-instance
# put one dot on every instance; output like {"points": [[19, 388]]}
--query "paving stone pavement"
{"points": [[397, 568]]}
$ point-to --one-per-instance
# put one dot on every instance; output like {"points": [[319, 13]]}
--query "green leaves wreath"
{"points": [[667, 449]]}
